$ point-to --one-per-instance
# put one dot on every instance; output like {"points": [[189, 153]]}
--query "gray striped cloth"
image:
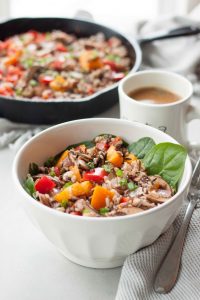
{"points": [[138, 272]]}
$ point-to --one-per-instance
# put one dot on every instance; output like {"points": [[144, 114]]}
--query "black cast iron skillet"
{"points": [[56, 111]]}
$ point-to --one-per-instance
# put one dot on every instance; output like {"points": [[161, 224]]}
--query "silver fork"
{"points": [[168, 272]]}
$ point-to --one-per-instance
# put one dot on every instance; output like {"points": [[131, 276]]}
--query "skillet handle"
{"points": [[83, 15], [168, 34]]}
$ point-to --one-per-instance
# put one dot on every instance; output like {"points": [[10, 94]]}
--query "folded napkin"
{"points": [[15, 134], [139, 270]]}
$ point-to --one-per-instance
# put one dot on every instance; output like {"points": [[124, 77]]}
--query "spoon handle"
{"points": [[168, 272]]}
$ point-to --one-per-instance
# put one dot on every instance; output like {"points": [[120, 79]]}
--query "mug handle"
{"points": [[193, 113]]}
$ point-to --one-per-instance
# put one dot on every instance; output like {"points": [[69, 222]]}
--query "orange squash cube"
{"points": [[89, 60], [114, 157], [62, 157], [99, 197]]}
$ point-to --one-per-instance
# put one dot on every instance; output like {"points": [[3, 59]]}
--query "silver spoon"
{"points": [[168, 272]]}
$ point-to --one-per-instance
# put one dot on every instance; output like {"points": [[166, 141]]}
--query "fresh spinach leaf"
{"points": [[29, 186], [141, 147], [33, 169], [166, 160], [52, 160]]}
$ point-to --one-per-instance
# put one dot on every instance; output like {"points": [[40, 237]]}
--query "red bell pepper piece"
{"points": [[6, 91], [96, 175], [44, 185], [57, 65], [33, 33], [117, 76], [61, 47], [124, 200], [57, 171], [46, 79], [102, 145], [110, 63], [76, 213], [11, 78]]}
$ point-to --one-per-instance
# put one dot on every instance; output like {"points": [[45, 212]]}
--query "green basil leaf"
{"points": [[166, 160], [29, 186], [88, 144], [141, 147]]}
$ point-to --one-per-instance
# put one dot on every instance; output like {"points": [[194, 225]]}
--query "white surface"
{"points": [[30, 267]]}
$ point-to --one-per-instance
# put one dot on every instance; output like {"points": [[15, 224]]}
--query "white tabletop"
{"points": [[30, 267]]}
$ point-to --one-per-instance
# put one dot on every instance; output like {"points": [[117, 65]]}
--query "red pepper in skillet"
{"points": [[110, 63], [46, 79], [117, 76], [60, 47]]}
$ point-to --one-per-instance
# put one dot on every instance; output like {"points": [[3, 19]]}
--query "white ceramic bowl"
{"points": [[95, 242]]}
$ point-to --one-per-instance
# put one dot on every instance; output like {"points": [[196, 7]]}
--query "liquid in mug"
{"points": [[154, 95]]}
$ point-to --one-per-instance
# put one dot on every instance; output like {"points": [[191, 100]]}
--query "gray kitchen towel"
{"points": [[138, 272], [15, 134]]}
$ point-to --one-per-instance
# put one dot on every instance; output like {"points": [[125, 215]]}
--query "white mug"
{"points": [[171, 118]]}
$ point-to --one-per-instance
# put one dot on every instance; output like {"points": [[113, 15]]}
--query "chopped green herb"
{"points": [[107, 168], [64, 203], [95, 54], [33, 169], [52, 173], [33, 82], [103, 210], [29, 186], [119, 173], [18, 91], [28, 63], [67, 184], [86, 211], [90, 165], [123, 182], [47, 35], [132, 186], [113, 57]]}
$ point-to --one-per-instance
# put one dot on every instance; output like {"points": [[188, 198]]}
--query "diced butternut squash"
{"points": [[89, 60], [99, 197], [76, 172], [80, 189], [13, 59], [76, 189], [114, 157], [129, 158], [59, 84], [87, 186], [63, 156], [64, 195]]}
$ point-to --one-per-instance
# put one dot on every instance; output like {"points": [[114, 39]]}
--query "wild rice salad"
{"points": [[56, 64], [100, 178]]}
